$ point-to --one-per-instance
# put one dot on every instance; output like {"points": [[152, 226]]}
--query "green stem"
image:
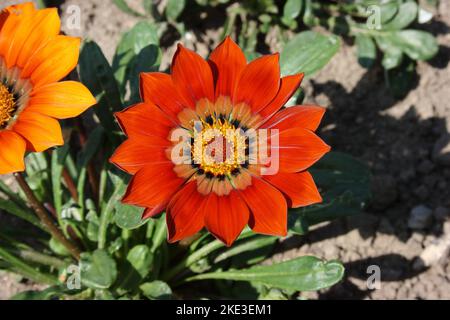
{"points": [[24, 269], [37, 257], [45, 219], [191, 259]]}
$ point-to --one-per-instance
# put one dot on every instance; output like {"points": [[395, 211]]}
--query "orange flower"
{"points": [[33, 58], [208, 100]]}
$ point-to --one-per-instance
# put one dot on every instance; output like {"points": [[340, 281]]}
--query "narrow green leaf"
{"points": [[393, 55], [20, 266], [59, 156], [301, 274], [308, 52], [97, 75], [22, 213]]}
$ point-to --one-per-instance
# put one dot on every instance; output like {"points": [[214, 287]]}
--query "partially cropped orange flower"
{"points": [[33, 58], [210, 99]]}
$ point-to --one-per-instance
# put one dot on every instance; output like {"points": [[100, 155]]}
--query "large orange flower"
{"points": [[33, 58], [209, 99]]}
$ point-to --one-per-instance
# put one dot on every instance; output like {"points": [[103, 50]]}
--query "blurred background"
{"points": [[395, 120]]}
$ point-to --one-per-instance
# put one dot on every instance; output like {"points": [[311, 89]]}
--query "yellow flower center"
{"points": [[7, 106], [219, 147]]}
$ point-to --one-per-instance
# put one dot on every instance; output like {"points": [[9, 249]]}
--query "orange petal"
{"points": [[41, 132], [307, 117], [192, 76], [151, 212], [288, 86], [299, 149], [61, 100], [134, 154], [226, 216], [268, 208], [152, 186], [12, 148], [33, 31], [259, 82], [53, 61], [299, 188], [15, 22], [158, 88], [144, 119], [228, 62], [185, 214]]}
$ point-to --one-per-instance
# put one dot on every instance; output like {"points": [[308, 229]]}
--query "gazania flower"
{"points": [[33, 58], [215, 103]]}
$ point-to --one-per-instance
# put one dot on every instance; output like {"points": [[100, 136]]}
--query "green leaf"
{"points": [[388, 11], [301, 274], [401, 79], [344, 183], [308, 52], [20, 266], [174, 8], [47, 294], [393, 55], [141, 259], [122, 5], [98, 270], [291, 11], [407, 13], [367, 52], [129, 217], [138, 51], [97, 75], [251, 245], [417, 44], [59, 156], [22, 213], [156, 290]]}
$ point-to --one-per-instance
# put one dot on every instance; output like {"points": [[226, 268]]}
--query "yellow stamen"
{"points": [[7, 105], [219, 148]]}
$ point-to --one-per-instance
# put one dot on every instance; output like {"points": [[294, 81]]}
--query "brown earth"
{"points": [[396, 138]]}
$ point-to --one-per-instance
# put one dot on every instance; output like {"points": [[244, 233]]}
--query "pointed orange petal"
{"points": [[41, 132], [152, 186], [228, 62], [12, 148], [268, 208], [299, 188], [307, 117], [61, 100], [45, 28], [134, 154], [53, 61], [192, 76], [226, 216], [185, 214], [259, 82], [288, 86], [299, 149], [33, 31], [158, 88], [135, 121]]}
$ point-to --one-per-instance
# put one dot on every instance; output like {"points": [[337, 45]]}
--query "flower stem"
{"points": [[45, 219], [70, 184]]}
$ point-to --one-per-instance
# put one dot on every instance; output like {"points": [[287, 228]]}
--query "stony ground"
{"points": [[406, 229]]}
